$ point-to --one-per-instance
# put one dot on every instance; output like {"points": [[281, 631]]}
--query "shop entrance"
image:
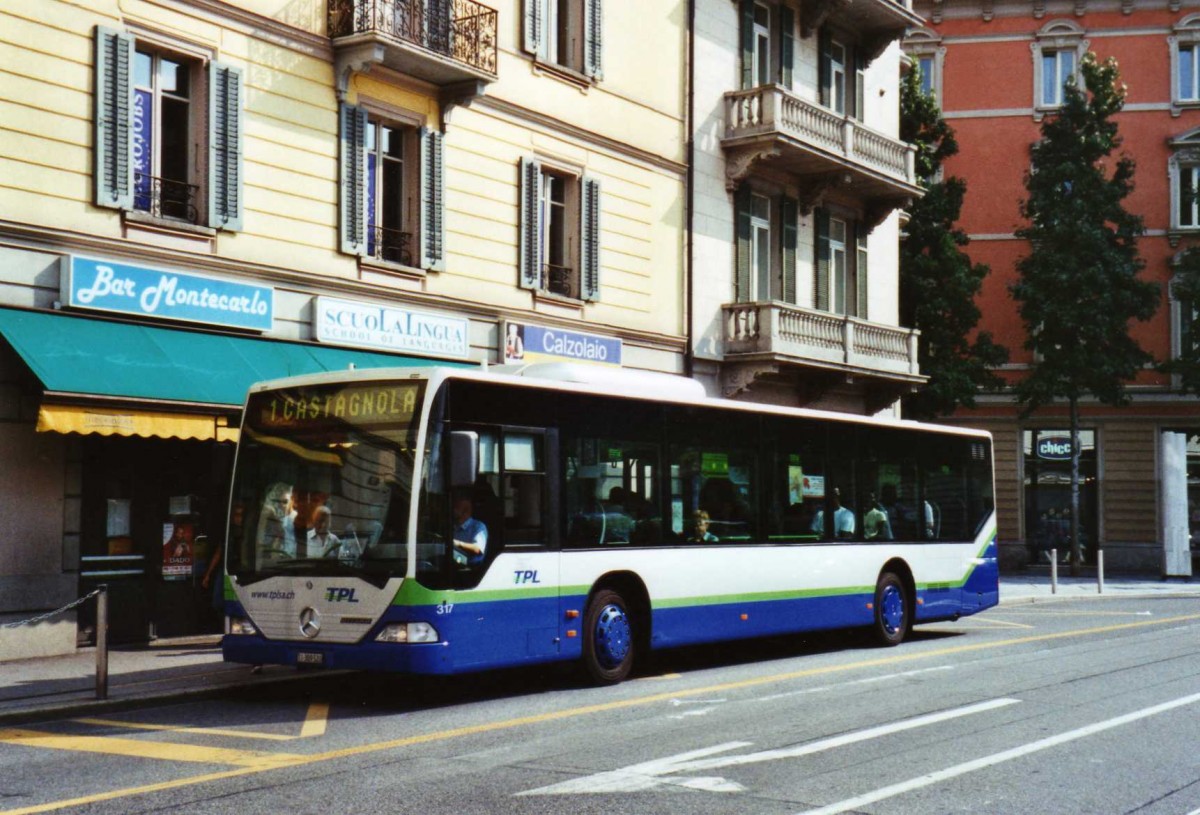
{"points": [[152, 518], [1048, 494]]}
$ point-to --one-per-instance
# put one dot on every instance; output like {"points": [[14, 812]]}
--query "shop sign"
{"points": [[104, 285], [534, 343], [399, 330], [1054, 448]]}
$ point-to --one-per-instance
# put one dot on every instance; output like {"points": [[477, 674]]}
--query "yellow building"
{"points": [[197, 195]]}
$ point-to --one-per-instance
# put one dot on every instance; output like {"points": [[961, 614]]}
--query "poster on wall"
{"points": [[177, 551]]}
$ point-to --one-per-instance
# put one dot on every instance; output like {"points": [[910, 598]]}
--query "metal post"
{"points": [[1100, 571], [1054, 571], [102, 642]]}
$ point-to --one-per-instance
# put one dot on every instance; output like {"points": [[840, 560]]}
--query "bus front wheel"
{"points": [[608, 638], [891, 610]]}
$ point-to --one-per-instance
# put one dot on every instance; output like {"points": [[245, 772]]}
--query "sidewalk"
{"points": [[176, 670]]}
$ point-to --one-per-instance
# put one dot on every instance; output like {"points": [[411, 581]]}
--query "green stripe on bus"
{"points": [[760, 597]]}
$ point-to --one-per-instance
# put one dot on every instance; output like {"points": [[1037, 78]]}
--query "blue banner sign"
{"points": [[535, 343], [124, 289]]}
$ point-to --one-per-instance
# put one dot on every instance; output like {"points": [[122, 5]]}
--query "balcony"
{"points": [[771, 338], [877, 22], [820, 147], [448, 43]]}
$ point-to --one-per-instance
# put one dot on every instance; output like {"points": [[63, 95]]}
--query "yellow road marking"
{"points": [[138, 749], [979, 622], [204, 731], [283, 761], [314, 725], [314, 721]]}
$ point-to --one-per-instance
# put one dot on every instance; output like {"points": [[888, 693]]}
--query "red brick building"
{"points": [[997, 69]]}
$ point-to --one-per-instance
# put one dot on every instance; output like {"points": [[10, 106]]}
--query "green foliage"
{"points": [[1079, 287], [1186, 289], [938, 281]]}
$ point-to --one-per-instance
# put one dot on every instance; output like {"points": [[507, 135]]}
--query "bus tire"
{"points": [[609, 638], [892, 611]]}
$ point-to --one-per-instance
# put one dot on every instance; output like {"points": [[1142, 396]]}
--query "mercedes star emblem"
{"points": [[310, 622]]}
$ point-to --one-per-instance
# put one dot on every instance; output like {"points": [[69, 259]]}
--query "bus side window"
{"points": [[794, 452]]}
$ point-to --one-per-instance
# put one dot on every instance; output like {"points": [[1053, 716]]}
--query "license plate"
{"points": [[306, 658]]}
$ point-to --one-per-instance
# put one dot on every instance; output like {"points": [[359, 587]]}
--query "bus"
{"points": [[622, 511]]}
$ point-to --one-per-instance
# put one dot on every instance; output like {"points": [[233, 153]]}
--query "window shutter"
{"points": [[824, 65], [821, 278], [787, 44], [742, 290], [860, 68], [589, 261], [433, 224], [353, 214], [533, 26], [224, 147], [531, 224], [860, 269], [787, 213], [746, 18], [593, 39], [113, 118]]}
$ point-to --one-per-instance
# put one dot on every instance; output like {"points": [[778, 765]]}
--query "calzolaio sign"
{"points": [[535, 343], [122, 288], [387, 328]]}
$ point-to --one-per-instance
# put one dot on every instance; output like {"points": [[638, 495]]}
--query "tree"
{"points": [[1078, 288], [1186, 289], [938, 281]]}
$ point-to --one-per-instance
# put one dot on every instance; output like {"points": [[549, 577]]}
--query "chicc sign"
{"points": [[363, 325]]}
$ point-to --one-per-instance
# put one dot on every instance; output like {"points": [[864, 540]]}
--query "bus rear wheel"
{"points": [[608, 638], [892, 612]]}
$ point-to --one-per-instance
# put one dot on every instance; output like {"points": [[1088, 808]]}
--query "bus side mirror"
{"points": [[464, 458]]}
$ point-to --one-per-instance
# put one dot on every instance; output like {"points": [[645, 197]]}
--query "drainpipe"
{"points": [[689, 184]]}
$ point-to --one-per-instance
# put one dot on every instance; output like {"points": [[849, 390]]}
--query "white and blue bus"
{"points": [[623, 511]]}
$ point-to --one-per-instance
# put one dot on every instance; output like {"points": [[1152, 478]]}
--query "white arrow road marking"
{"points": [[650, 774], [996, 758], [867, 681]]}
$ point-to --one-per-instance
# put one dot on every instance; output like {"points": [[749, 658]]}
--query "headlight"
{"points": [[408, 632], [240, 625]]}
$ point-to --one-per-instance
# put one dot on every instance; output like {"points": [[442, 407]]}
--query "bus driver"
{"points": [[470, 534]]}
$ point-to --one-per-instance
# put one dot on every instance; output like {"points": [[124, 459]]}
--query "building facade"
{"points": [[800, 179], [998, 69], [199, 195]]}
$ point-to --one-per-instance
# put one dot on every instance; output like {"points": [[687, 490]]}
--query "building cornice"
{"points": [[937, 11], [278, 32]]}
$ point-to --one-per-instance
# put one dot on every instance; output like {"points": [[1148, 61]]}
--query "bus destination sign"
{"points": [[357, 404]]}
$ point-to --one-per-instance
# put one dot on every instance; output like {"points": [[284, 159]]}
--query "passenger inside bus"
{"points": [[277, 522], [700, 533], [470, 534], [320, 541], [843, 518]]}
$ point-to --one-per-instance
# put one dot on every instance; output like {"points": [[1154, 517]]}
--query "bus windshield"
{"points": [[323, 482]]}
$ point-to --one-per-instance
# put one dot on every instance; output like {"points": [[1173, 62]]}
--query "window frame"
{"points": [[1056, 37], [1184, 160], [1185, 36], [580, 229], [544, 25], [410, 187], [923, 44], [214, 130]]}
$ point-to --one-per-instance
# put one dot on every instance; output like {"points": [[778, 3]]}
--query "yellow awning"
{"points": [[124, 422]]}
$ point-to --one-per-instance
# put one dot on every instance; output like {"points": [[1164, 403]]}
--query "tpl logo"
{"points": [[335, 595]]}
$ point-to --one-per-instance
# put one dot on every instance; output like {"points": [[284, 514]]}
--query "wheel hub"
{"points": [[612, 636]]}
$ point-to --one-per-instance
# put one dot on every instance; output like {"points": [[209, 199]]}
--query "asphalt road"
{"points": [[1082, 707]]}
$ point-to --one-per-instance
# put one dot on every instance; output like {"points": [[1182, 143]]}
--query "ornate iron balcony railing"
{"points": [[165, 198], [463, 30], [390, 245]]}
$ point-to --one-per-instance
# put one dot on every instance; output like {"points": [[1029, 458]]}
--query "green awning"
{"points": [[100, 358]]}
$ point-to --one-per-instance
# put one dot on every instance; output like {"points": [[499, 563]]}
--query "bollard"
{"points": [[1054, 571], [1100, 571], [102, 642]]}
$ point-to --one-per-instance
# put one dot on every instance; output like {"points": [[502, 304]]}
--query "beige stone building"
{"points": [[198, 195]]}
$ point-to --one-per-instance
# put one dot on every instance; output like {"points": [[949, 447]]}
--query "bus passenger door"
{"points": [[514, 607]]}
